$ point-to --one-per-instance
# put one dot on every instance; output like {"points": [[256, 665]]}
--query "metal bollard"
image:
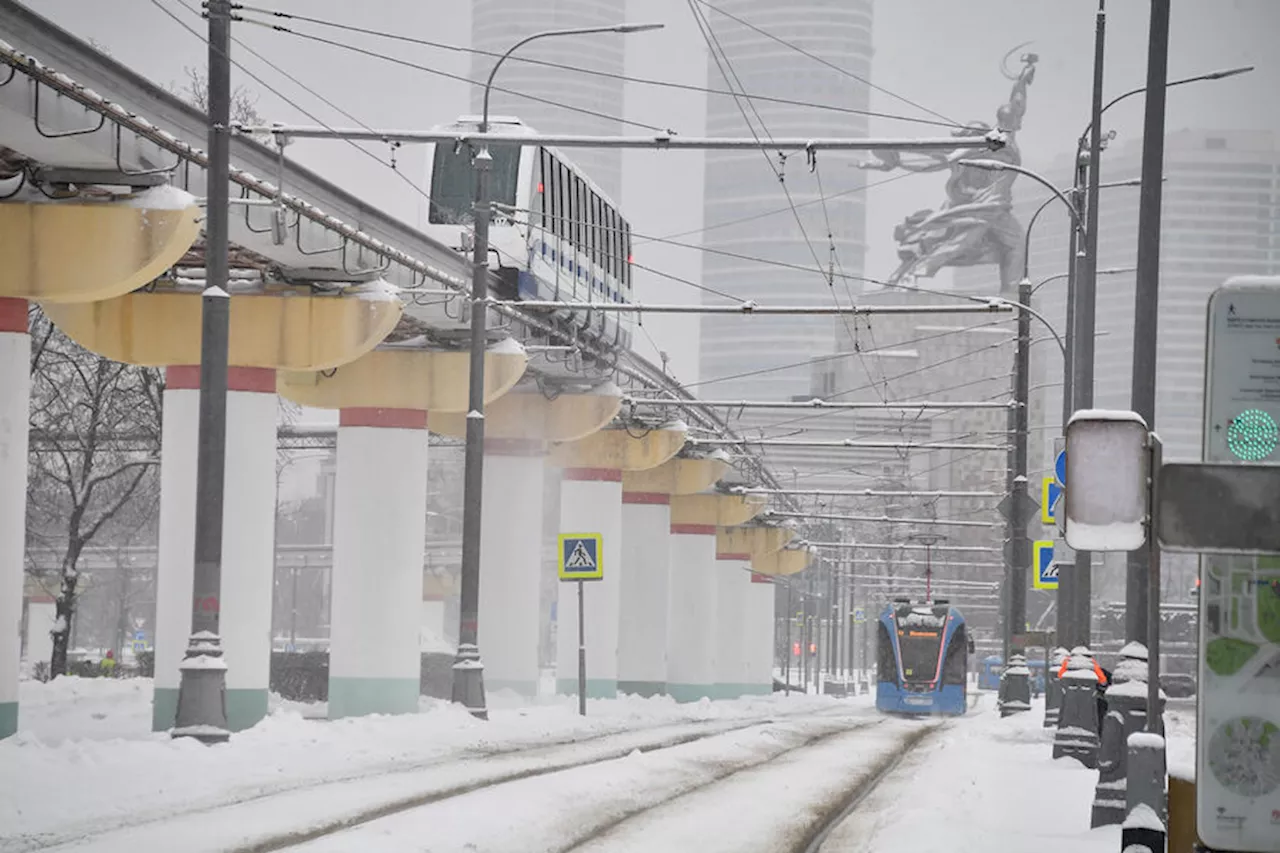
{"points": [[1146, 820], [1077, 735], [1015, 687], [1126, 714], [1053, 689]]}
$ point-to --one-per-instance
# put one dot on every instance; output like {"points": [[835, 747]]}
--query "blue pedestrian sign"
{"points": [[580, 556], [1050, 497], [859, 615], [1046, 568]]}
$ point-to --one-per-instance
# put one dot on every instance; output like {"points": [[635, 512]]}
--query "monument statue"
{"points": [[975, 225]]}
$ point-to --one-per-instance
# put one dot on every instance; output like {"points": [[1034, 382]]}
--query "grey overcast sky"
{"points": [[939, 53]]}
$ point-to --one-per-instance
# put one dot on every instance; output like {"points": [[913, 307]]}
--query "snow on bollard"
{"points": [[1146, 776], [1142, 832]]}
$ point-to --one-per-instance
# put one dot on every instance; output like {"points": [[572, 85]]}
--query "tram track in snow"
{"points": [[376, 793], [679, 797]]}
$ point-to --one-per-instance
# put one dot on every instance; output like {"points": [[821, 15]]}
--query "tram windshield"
{"points": [[919, 647], [453, 182]]}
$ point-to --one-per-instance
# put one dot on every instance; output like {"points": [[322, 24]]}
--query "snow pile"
{"points": [[164, 197], [378, 290]]}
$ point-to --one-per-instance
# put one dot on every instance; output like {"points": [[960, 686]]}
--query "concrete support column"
{"points": [[591, 502], [379, 541], [248, 540], [732, 580], [692, 613], [511, 563], [758, 639], [646, 556], [15, 402]]}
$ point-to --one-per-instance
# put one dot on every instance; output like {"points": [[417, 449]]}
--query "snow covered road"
{"points": [[762, 789]]}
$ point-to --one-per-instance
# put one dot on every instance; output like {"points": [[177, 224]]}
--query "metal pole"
{"points": [[582, 655], [786, 658], [202, 704], [1154, 723], [928, 573], [1021, 392], [1146, 291], [293, 612], [1068, 579], [1085, 313], [468, 668]]}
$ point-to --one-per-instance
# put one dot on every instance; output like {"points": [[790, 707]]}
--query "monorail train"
{"points": [[922, 659], [555, 236]]}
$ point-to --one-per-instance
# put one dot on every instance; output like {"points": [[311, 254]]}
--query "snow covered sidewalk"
{"points": [[988, 784]]}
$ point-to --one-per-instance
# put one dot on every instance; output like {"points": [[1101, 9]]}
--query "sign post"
{"points": [[1238, 708], [580, 561]]}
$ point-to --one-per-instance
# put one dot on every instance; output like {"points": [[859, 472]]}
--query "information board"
{"points": [[1238, 729]]}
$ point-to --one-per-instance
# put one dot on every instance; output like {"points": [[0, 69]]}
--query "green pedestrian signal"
{"points": [[1252, 435]]}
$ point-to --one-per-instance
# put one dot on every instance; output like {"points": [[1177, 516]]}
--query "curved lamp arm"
{"points": [[575, 31]]}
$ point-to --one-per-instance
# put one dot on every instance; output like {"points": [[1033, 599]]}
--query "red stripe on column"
{"points": [[256, 380], [384, 418], [741, 558], [515, 446], [13, 315], [756, 577], [607, 475], [694, 529], [645, 498], [41, 599]]}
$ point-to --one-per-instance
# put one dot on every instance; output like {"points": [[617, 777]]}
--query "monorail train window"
{"points": [[453, 182], [563, 212], [596, 242], [606, 229], [540, 188], [626, 254], [552, 204]]}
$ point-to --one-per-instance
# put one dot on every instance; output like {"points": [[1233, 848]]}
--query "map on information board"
{"points": [[1238, 743]]}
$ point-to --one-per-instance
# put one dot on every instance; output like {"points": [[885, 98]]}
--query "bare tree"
{"points": [[244, 104], [95, 429]]}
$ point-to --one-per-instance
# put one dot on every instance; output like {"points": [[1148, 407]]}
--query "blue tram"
{"points": [[922, 659]]}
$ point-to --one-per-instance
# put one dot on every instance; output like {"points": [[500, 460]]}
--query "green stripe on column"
{"points": [[164, 709], [245, 708], [524, 688], [757, 690], [8, 718], [643, 688], [690, 692], [356, 697], [597, 688]]}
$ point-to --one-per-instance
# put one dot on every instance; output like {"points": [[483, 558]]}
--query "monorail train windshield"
{"points": [[453, 181]]}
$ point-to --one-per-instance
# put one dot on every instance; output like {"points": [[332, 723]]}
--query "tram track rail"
{"points": [[488, 767]]}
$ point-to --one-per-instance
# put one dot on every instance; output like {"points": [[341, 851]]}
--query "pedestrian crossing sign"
{"points": [[1046, 569], [580, 556]]}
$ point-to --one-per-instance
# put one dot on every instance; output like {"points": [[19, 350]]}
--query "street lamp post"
{"points": [[1076, 591], [1018, 549], [468, 670], [202, 699]]}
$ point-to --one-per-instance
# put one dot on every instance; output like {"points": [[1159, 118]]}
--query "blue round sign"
{"points": [[1060, 467]]}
